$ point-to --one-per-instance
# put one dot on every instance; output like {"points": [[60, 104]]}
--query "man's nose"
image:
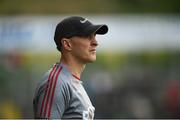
{"points": [[94, 42]]}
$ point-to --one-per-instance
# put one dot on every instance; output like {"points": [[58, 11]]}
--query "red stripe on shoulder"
{"points": [[46, 89], [52, 97], [49, 91]]}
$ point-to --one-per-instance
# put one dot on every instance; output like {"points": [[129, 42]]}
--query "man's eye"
{"points": [[91, 36]]}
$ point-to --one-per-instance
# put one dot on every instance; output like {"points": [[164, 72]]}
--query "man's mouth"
{"points": [[93, 50]]}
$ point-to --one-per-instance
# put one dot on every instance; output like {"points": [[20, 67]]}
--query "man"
{"points": [[60, 94]]}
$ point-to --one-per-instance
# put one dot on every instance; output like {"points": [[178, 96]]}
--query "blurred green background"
{"points": [[137, 72]]}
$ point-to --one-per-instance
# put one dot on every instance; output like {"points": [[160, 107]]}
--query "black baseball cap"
{"points": [[76, 26]]}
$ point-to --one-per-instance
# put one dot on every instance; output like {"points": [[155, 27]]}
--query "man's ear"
{"points": [[66, 44]]}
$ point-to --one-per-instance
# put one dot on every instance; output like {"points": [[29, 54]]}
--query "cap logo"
{"points": [[83, 21]]}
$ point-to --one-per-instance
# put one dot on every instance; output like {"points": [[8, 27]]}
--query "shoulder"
{"points": [[57, 74], [63, 89], [64, 78], [58, 77]]}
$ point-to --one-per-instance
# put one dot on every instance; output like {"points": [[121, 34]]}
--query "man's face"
{"points": [[84, 48]]}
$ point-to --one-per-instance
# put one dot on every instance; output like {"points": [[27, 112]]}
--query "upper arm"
{"points": [[60, 101], [51, 98]]}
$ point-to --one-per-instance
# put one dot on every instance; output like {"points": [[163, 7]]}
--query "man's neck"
{"points": [[75, 67]]}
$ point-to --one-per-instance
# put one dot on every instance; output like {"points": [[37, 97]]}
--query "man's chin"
{"points": [[91, 60]]}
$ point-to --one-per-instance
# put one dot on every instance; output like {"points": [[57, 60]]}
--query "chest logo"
{"points": [[89, 114]]}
